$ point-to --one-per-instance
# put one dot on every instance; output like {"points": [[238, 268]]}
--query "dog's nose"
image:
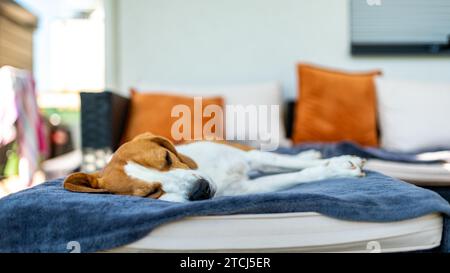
{"points": [[201, 190]]}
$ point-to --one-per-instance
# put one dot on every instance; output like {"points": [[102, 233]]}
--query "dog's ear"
{"points": [[169, 145], [164, 142], [82, 182], [147, 135]]}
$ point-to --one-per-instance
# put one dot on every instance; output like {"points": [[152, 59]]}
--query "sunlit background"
{"points": [[67, 56], [68, 44]]}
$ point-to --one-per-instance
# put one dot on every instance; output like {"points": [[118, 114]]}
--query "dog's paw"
{"points": [[346, 166], [342, 173], [309, 155], [345, 170], [347, 161]]}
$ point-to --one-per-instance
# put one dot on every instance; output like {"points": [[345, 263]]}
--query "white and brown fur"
{"points": [[151, 166]]}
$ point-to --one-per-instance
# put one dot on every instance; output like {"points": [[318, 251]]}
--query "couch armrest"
{"points": [[103, 117]]}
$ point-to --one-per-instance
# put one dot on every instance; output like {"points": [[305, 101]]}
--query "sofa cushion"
{"points": [[335, 106]]}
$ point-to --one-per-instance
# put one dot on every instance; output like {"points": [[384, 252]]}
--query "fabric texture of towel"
{"points": [[47, 218]]}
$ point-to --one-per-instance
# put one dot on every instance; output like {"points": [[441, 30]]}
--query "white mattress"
{"points": [[419, 174], [288, 232]]}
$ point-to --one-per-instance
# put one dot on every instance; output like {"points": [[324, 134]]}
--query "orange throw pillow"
{"points": [[335, 106], [151, 112]]}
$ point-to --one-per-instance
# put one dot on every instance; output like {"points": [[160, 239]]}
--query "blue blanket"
{"points": [[47, 217], [350, 148]]}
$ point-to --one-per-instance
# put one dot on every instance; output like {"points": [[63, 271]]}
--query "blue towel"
{"points": [[350, 148], [47, 217]]}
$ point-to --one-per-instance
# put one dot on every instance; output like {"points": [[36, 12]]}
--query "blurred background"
{"points": [[51, 50]]}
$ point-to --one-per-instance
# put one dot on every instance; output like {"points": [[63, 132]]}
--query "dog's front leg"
{"points": [[338, 168]]}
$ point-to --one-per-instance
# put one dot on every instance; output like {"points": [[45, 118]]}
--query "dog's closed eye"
{"points": [[168, 159]]}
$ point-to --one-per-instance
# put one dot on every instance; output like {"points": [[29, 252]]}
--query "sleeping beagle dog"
{"points": [[151, 166]]}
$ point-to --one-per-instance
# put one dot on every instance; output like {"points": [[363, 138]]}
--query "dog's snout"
{"points": [[201, 190]]}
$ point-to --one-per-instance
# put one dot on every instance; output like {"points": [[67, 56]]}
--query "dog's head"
{"points": [[147, 166]]}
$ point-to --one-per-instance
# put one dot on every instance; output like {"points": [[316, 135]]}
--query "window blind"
{"points": [[400, 22]]}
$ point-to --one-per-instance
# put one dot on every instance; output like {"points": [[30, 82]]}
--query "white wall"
{"points": [[215, 42]]}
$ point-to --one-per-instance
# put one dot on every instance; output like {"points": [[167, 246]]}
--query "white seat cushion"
{"points": [[289, 232], [419, 174], [413, 115]]}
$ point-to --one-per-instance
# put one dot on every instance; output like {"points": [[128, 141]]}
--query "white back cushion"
{"points": [[250, 94], [413, 115]]}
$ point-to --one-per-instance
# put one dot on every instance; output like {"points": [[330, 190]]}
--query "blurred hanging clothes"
{"points": [[20, 120]]}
